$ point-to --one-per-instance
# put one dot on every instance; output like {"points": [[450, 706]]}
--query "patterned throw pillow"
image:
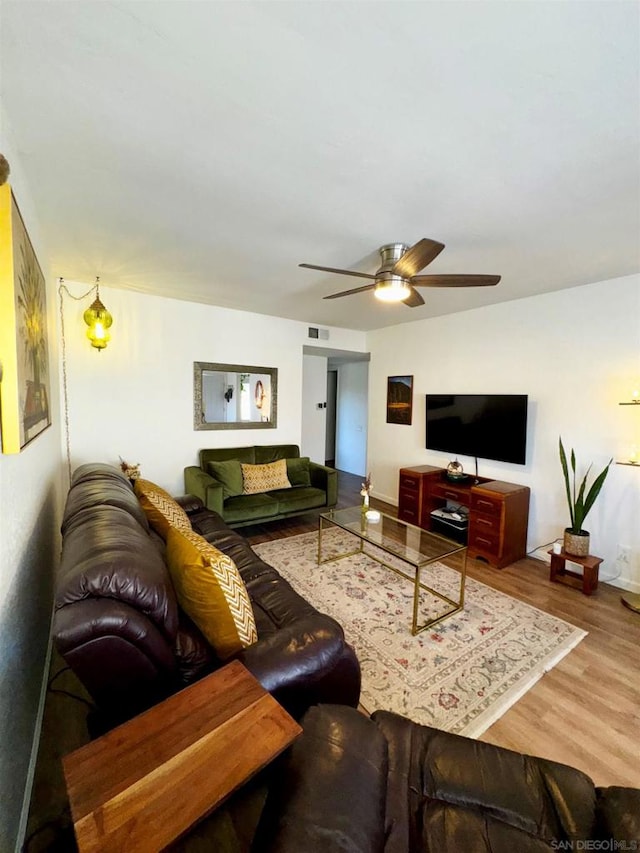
{"points": [[160, 508], [211, 592], [264, 478]]}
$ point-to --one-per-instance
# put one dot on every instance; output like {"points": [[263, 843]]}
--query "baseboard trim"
{"points": [[392, 501], [622, 583]]}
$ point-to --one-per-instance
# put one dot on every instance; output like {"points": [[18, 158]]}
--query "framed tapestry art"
{"points": [[24, 345], [399, 399]]}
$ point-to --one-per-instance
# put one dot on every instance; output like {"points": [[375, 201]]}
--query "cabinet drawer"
{"points": [[488, 542], [410, 514], [486, 504], [487, 524], [441, 490], [409, 499], [409, 481]]}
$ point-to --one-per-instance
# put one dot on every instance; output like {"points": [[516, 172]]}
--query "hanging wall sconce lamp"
{"points": [[98, 319]]}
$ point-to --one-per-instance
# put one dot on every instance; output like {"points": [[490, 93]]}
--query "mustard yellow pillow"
{"points": [[211, 591], [264, 478], [160, 508]]}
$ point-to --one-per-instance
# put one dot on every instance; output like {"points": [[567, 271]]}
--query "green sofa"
{"points": [[217, 486]]}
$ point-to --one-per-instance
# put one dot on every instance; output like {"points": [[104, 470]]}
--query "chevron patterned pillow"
{"points": [[160, 508], [211, 591], [264, 478]]}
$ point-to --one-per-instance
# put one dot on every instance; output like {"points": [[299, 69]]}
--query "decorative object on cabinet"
{"points": [[455, 471], [399, 400], [25, 408], [576, 540], [493, 515]]}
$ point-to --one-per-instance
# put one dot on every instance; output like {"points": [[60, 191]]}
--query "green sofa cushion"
{"points": [[248, 507], [272, 452], [220, 454], [298, 471], [298, 498], [229, 473]]}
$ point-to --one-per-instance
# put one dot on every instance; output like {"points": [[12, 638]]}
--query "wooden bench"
{"points": [[588, 580]]}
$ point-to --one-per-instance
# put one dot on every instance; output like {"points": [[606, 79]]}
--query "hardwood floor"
{"points": [[584, 712]]}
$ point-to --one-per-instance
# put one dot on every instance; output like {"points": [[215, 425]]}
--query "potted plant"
{"points": [[576, 540]]}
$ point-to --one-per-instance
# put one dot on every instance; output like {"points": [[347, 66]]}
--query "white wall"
{"points": [[351, 418], [576, 353], [30, 498], [314, 419], [135, 398]]}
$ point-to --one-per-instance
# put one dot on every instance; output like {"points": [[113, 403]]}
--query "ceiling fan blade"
{"points": [[349, 292], [339, 272], [414, 299], [454, 280], [417, 257]]}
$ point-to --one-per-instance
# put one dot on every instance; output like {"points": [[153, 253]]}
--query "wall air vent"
{"points": [[318, 334]]}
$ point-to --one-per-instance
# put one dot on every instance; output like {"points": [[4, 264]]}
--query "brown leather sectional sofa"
{"points": [[117, 622], [349, 783]]}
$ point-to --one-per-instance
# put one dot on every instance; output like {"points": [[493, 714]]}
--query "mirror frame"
{"points": [[200, 366]]}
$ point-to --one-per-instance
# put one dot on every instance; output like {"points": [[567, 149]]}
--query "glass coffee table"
{"points": [[414, 547]]}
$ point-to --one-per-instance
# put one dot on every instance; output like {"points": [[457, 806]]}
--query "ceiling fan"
{"points": [[396, 280]]}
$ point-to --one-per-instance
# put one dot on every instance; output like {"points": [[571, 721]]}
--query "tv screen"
{"points": [[489, 426]]}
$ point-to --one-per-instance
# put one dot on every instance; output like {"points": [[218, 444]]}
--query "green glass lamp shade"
{"points": [[98, 320]]}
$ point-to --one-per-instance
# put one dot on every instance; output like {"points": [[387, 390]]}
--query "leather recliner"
{"points": [[388, 785]]}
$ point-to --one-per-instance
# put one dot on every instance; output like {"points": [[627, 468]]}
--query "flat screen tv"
{"points": [[488, 426]]}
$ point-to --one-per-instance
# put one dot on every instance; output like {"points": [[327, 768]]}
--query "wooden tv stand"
{"points": [[498, 511]]}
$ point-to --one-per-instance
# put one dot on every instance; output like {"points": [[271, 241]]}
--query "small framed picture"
{"points": [[399, 399]]}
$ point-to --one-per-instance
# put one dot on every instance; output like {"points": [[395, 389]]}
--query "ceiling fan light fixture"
{"points": [[397, 279], [392, 290]]}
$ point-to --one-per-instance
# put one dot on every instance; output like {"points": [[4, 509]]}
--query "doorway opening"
{"points": [[335, 408]]}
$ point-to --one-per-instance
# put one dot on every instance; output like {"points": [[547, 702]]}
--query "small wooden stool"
{"points": [[588, 579]]}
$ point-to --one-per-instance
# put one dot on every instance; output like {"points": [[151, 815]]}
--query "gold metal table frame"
{"points": [[387, 535]]}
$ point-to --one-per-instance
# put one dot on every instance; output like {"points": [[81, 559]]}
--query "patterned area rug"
{"points": [[462, 674]]}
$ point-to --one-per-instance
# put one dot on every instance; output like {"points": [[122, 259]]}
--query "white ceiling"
{"points": [[201, 150]]}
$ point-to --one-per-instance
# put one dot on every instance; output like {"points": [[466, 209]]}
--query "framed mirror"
{"points": [[234, 396]]}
